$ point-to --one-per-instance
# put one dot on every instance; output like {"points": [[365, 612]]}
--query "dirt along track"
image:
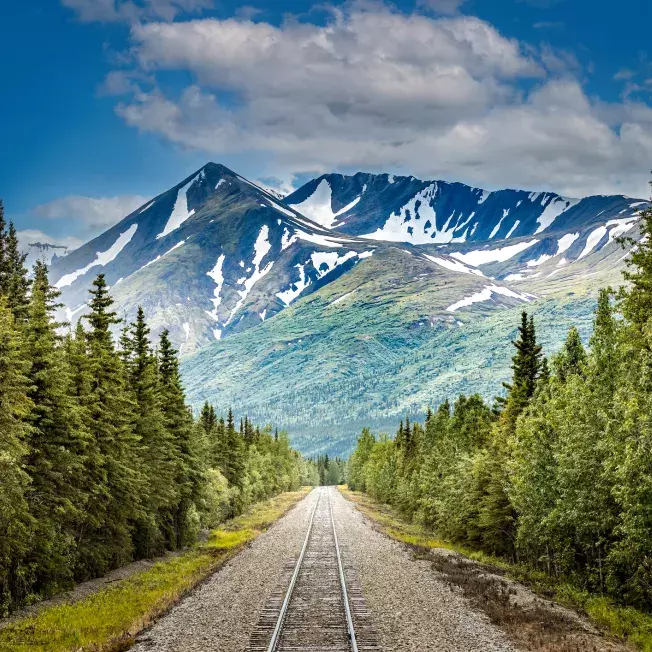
{"points": [[397, 603]]}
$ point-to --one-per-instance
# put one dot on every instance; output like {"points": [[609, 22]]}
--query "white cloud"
{"points": [[39, 245], [377, 89], [131, 11], [91, 211]]}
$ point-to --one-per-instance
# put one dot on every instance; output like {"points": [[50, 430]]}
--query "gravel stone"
{"points": [[221, 614], [411, 608]]}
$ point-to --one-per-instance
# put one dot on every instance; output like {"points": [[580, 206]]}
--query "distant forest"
{"points": [[558, 472], [101, 459]]}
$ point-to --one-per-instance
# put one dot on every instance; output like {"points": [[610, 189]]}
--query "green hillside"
{"points": [[323, 370]]}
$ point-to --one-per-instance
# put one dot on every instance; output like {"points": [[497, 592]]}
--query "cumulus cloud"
{"points": [[447, 97], [130, 11], [92, 212]]}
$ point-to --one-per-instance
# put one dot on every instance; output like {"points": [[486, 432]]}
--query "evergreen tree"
{"points": [[572, 358], [15, 408], [116, 504], [188, 472], [57, 444], [17, 280], [157, 448], [636, 299]]}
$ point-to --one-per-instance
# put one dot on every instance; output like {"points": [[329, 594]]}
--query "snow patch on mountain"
{"points": [[412, 224], [163, 255], [280, 208], [453, 265], [330, 260], [180, 212], [514, 227], [217, 275], [486, 294], [553, 210], [620, 227], [565, 242], [485, 256], [500, 223], [142, 210], [295, 289], [102, 258], [261, 249], [323, 240], [592, 241], [344, 296], [318, 207]]}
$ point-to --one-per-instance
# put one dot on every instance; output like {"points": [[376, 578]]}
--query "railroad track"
{"points": [[319, 605]]}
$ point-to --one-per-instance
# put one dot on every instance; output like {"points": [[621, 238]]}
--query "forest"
{"points": [[557, 473], [101, 459]]}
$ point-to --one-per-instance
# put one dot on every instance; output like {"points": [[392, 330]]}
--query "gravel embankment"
{"points": [[411, 608], [220, 615]]}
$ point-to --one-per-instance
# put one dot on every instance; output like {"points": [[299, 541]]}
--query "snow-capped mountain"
{"points": [[517, 236], [218, 254], [406, 209], [354, 298]]}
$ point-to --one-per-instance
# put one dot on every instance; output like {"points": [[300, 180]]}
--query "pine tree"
{"points": [[496, 517], [526, 365], [572, 358], [4, 265], [57, 443], [636, 300], [18, 283], [234, 454], [15, 408], [116, 505], [157, 449], [188, 472]]}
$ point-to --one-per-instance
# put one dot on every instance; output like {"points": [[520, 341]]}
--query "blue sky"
{"points": [[108, 102]]}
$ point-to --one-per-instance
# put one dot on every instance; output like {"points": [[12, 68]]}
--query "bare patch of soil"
{"points": [[533, 623]]}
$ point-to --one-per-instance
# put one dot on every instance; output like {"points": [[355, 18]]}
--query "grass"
{"points": [[109, 620], [625, 623]]}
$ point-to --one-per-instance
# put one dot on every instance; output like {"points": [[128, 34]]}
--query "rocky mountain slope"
{"points": [[217, 254]]}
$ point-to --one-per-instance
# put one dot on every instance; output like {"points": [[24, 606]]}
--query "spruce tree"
{"points": [[188, 471], [572, 359], [17, 281], [15, 408], [157, 449], [636, 299], [57, 444], [115, 505]]}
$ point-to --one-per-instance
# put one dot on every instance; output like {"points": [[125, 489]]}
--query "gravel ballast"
{"points": [[410, 608], [221, 614]]}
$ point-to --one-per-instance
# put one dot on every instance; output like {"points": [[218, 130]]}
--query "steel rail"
{"points": [[284, 607], [345, 593]]}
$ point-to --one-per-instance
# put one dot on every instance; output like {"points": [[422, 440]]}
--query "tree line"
{"points": [[101, 460], [557, 473]]}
